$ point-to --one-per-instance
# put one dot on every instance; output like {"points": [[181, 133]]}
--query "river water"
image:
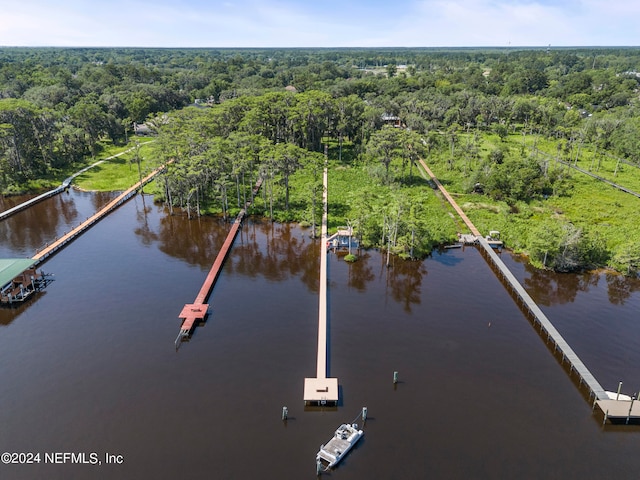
{"points": [[89, 366]]}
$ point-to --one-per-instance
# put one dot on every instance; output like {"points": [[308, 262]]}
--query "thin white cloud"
{"points": [[484, 22], [487, 22], [294, 23]]}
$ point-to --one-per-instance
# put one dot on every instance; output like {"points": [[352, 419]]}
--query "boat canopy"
{"points": [[10, 268]]}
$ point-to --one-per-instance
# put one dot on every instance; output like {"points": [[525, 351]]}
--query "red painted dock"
{"points": [[193, 312]]}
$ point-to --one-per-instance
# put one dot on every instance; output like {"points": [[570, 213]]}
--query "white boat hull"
{"points": [[345, 437]]}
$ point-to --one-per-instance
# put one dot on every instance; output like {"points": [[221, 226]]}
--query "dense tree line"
{"points": [[131, 83], [57, 105], [269, 112], [219, 153]]}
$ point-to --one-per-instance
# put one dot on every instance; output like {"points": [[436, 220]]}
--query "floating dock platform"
{"points": [[620, 411]]}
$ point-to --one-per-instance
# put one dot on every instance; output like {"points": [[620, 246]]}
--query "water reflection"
{"points": [[144, 231], [360, 272], [29, 230], [195, 241], [7, 202], [620, 288], [404, 282], [33, 227], [551, 288], [402, 279], [273, 251], [287, 251], [9, 313]]}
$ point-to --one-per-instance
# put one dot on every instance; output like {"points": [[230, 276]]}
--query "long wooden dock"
{"points": [[322, 390], [58, 244], [541, 320], [450, 199], [194, 312], [611, 408], [24, 205], [61, 188]]}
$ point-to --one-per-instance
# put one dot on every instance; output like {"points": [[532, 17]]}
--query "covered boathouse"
{"points": [[19, 279], [342, 238]]}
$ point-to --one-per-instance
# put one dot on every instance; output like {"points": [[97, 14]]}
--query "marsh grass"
{"points": [[602, 212]]}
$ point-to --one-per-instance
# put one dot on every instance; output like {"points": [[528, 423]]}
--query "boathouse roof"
{"points": [[12, 267]]}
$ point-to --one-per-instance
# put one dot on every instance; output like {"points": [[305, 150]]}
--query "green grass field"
{"points": [[118, 173]]}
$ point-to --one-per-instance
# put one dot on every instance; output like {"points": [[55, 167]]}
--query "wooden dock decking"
{"points": [[618, 410], [576, 365], [451, 201], [33, 201], [194, 312], [545, 324], [322, 390], [58, 244], [61, 188]]}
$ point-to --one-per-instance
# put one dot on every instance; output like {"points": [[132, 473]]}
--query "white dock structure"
{"points": [[34, 200], [321, 391], [540, 319], [612, 409], [63, 186]]}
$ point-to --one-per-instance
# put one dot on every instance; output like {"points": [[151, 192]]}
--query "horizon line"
{"points": [[502, 47]]}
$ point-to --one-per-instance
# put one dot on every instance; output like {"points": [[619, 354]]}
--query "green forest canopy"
{"points": [[269, 112]]}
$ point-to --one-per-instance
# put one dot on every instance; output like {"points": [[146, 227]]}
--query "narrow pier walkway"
{"points": [[322, 390], [61, 188], [615, 408], [451, 201], [194, 312], [34, 200], [53, 248]]}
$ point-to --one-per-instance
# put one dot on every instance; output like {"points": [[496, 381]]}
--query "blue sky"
{"points": [[328, 23]]}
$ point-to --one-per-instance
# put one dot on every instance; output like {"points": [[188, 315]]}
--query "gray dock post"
{"points": [[395, 377], [364, 414], [285, 413], [629, 414], [619, 388], [318, 468]]}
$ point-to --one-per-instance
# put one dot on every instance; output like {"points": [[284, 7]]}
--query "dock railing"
{"points": [[540, 319], [527, 303], [55, 246]]}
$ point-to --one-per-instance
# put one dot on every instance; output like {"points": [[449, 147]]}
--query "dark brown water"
{"points": [[90, 365]]}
